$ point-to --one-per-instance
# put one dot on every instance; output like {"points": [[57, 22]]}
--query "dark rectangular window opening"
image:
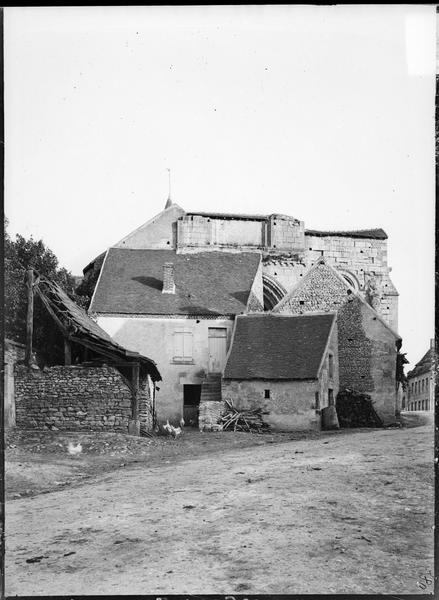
{"points": [[330, 397], [267, 394]]}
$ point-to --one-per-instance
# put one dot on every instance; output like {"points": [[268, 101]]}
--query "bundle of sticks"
{"points": [[355, 409], [243, 420]]}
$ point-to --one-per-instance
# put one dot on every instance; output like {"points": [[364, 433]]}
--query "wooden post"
{"points": [[135, 404], [134, 424], [30, 316], [67, 352]]}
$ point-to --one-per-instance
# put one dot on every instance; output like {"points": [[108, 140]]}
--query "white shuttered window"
{"points": [[183, 351]]}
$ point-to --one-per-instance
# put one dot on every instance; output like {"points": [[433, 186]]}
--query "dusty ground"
{"points": [[344, 512]]}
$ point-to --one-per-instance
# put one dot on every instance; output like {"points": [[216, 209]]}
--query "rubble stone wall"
{"points": [[366, 347], [77, 398]]}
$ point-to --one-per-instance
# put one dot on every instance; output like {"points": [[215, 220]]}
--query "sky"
{"points": [[325, 113]]}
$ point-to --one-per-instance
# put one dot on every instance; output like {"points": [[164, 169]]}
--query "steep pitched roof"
{"points": [[371, 234], [320, 275], [267, 346], [208, 283], [424, 365]]}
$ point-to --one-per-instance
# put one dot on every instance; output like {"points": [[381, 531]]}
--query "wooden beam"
{"points": [[51, 311], [29, 316]]}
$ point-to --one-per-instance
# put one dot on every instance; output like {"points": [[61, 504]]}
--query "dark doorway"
{"points": [[191, 404], [331, 398]]}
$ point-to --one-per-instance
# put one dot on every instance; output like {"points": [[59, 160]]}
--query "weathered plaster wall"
{"points": [[159, 232], [77, 398], [291, 404], [367, 351], [154, 337], [255, 301]]}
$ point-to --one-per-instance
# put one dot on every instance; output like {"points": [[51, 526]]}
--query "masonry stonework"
{"points": [[367, 350], [77, 398]]}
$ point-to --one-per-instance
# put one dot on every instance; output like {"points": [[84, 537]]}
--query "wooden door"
{"points": [[217, 349]]}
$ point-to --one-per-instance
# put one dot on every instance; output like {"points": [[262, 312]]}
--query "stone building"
{"points": [[172, 289], [367, 345], [420, 393], [287, 365], [179, 309]]}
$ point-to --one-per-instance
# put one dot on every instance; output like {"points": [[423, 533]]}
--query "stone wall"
{"points": [[366, 346], [286, 233], [77, 398], [291, 406]]}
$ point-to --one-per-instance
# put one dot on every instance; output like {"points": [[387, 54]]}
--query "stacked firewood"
{"points": [[243, 420], [355, 409]]}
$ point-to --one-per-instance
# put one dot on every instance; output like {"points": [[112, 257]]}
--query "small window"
{"points": [[183, 346], [331, 365], [267, 394], [317, 401]]}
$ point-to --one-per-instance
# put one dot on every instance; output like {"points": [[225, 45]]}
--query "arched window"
{"points": [[273, 292]]}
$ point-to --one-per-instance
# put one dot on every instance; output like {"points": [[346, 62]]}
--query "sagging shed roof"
{"points": [[285, 347], [207, 283], [79, 327]]}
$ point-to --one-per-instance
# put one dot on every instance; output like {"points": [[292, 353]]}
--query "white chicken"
{"points": [[174, 431], [74, 450], [168, 427]]}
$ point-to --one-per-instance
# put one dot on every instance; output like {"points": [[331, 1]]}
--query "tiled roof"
{"points": [[267, 346], [208, 283], [423, 366], [371, 234]]}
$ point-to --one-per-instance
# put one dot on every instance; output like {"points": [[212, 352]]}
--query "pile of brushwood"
{"points": [[243, 420], [355, 409]]}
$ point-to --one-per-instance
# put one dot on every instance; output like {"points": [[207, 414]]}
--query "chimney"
{"points": [[168, 278], [432, 343]]}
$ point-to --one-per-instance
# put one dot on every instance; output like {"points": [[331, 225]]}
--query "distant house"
{"points": [[287, 365], [421, 383]]}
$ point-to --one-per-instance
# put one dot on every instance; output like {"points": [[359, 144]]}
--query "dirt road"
{"points": [[342, 514]]}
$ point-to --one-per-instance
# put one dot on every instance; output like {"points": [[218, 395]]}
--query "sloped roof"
{"points": [[333, 302], [267, 346], [424, 365], [79, 327], [371, 234], [208, 283]]}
